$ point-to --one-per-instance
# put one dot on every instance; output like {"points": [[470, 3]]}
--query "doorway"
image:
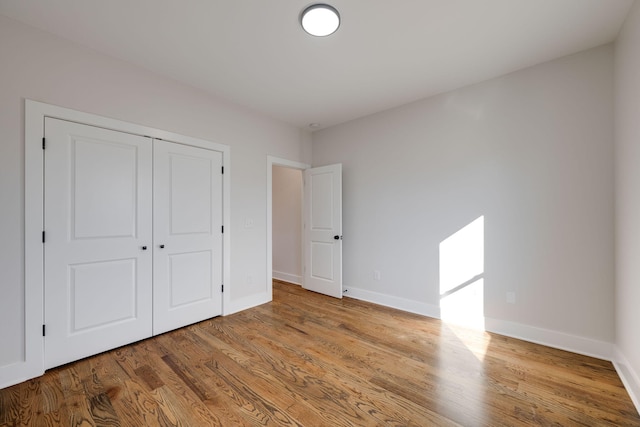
{"points": [[285, 251], [322, 236], [287, 224]]}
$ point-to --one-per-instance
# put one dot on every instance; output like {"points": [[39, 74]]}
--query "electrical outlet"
{"points": [[511, 297], [249, 279], [376, 274], [248, 223]]}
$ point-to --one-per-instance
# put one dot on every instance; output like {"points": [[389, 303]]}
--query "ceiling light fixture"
{"points": [[320, 20]]}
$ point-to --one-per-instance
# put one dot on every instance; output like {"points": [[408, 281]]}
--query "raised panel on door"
{"points": [[98, 205], [187, 235], [323, 230]]}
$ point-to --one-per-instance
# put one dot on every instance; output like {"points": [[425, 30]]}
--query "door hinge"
{"points": [[222, 288], [222, 170], [43, 143], [43, 330], [43, 236], [222, 229]]}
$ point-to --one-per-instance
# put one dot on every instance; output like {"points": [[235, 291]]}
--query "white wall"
{"points": [[532, 152], [287, 224], [41, 67], [627, 131]]}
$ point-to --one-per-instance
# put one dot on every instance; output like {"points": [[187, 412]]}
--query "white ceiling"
{"points": [[386, 53]]}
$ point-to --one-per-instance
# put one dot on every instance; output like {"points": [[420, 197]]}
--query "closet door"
{"points": [[97, 252], [187, 235]]}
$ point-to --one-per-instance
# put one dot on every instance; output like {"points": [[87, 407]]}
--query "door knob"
{"points": [[161, 246], [144, 248], [337, 237]]}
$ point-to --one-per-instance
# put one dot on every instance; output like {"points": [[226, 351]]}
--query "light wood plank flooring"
{"points": [[310, 360]]}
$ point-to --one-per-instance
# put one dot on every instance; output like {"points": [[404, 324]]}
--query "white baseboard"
{"points": [[247, 302], [393, 302], [630, 378], [286, 277], [17, 373], [560, 340]]}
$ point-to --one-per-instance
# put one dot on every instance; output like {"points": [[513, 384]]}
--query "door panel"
{"points": [[104, 180], [322, 212], [187, 235], [191, 192], [101, 293], [98, 286], [322, 260], [189, 278], [323, 230]]}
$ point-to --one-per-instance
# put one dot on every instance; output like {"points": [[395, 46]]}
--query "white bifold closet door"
{"points": [[133, 238], [187, 230], [98, 258]]}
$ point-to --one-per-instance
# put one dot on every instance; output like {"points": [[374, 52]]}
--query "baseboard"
{"points": [[9, 377], [403, 304], [628, 375], [286, 277], [247, 302], [559, 340]]}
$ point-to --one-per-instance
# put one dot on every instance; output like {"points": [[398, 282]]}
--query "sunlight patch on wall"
{"points": [[462, 276]]}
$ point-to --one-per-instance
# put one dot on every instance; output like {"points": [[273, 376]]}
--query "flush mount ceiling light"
{"points": [[320, 20]]}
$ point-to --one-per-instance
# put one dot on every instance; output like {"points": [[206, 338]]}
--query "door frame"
{"points": [[271, 162], [32, 364]]}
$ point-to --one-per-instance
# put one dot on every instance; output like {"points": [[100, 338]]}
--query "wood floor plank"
{"points": [[360, 393], [560, 371], [300, 382], [308, 360], [137, 406], [31, 403], [252, 374], [366, 357], [362, 357]]}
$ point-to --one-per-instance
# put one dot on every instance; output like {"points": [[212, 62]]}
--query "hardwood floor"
{"points": [[310, 360]]}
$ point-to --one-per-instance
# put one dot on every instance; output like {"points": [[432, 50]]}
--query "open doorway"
{"points": [[287, 267], [321, 239], [287, 224]]}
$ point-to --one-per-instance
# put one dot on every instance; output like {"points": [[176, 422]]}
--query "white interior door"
{"points": [[187, 235], [323, 230], [97, 253]]}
